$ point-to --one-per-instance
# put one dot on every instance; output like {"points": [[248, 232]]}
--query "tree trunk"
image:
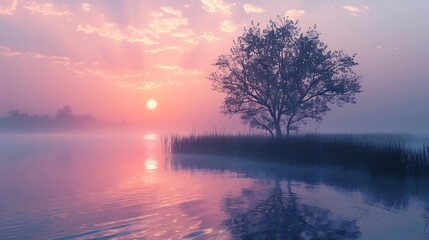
{"points": [[278, 131], [288, 126]]}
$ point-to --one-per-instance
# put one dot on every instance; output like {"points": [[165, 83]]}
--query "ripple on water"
{"points": [[174, 216]]}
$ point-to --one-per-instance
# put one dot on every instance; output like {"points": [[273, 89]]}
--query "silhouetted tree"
{"points": [[278, 77]]}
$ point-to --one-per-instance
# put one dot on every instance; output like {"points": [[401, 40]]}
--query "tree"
{"points": [[280, 77]]}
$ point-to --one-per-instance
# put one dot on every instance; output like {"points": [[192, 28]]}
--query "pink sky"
{"points": [[107, 58]]}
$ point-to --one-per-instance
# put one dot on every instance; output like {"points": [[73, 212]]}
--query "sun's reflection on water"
{"points": [[151, 164], [152, 157]]}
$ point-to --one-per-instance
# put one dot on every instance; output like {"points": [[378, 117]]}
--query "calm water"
{"points": [[68, 187]]}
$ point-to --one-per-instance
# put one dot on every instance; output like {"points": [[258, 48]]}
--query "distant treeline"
{"points": [[64, 119]]}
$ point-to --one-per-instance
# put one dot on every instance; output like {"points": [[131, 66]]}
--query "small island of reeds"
{"points": [[391, 159]]}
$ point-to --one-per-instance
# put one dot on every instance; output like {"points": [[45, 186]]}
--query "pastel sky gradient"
{"points": [[107, 58]]}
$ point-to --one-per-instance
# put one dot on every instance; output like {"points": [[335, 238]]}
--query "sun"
{"points": [[151, 104]]}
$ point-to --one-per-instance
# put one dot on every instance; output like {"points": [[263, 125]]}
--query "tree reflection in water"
{"points": [[280, 217], [425, 215]]}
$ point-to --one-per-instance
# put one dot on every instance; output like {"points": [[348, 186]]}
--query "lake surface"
{"points": [[85, 187]]}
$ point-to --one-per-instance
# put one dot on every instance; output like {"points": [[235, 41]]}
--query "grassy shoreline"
{"points": [[390, 159]]}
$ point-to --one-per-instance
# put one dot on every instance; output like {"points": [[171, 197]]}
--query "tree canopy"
{"points": [[279, 77]]}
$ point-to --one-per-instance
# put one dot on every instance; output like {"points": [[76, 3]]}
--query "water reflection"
{"points": [[151, 164], [68, 187], [151, 144], [283, 217], [363, 205], [392, 194]]}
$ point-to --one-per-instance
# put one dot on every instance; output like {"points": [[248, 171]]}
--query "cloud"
{"points": [[137, 85], [191, 37], [168, 20], [47, 9], [166, 25], [105, 75], [8, 52], [188, 35], [172, 11], [163, 49], [86, 7], [145, 36], [250, 8], [214, 6], [209, 36], [179, 70], [83, 69], [355, 10], [228, 26], [111, 31], [64, 61], [108, 30], [294, 13], [147, 85], [7, 7]]}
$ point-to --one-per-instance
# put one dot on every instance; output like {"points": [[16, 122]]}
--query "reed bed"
{"points": [[390, 159]]}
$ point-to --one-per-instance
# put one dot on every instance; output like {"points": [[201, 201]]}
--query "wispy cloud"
{"points": [[356, 10], [112, 31], [166, 25], [139, 35], [250, 8], [64, 61], [163, 49], [294, 13], [214, 6], [172, 11], [108, 30], [209, 36], [8, 52], [138, 84], [228, 26], [132, 80], [188, 35], [86, 7], [179, 70], [167, 20], [146, 85], [8, 7], [103, 74], [47, 9]]}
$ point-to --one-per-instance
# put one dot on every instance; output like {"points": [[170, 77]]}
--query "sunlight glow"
{"points": [[151, 104]]}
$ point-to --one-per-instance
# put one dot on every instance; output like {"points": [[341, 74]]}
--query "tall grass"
{"points": [[392, 159]]}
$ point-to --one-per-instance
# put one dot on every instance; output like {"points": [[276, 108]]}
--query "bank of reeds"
{"points": [[391, 159]]}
